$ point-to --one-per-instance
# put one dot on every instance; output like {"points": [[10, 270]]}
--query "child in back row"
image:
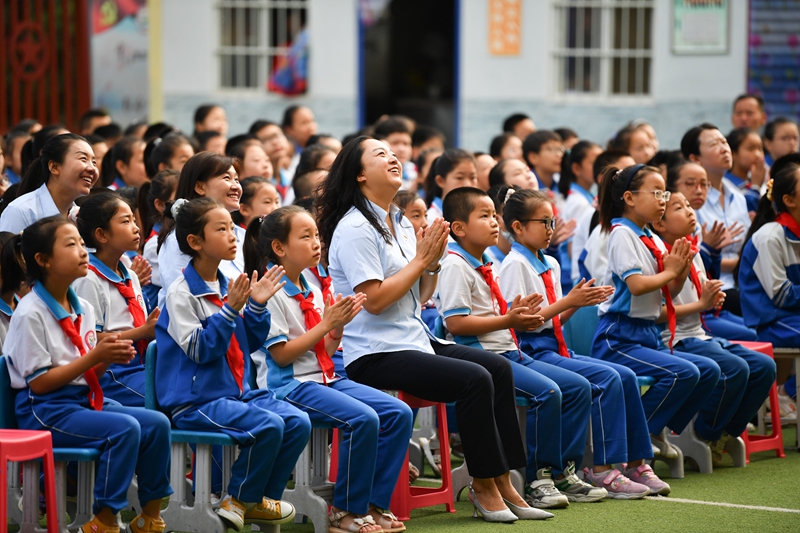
{"points": [[619, 427], [642, 273], [453, 169], [477, 315], [55, 361], [295, 363], [153, 198], [107, 225], [204, 345], [746, 375]]}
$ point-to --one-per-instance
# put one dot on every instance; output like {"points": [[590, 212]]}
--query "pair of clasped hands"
{"points": [[679, 262]]}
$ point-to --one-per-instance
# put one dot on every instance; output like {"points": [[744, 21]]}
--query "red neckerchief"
{"points": [[694, 275], [787, 221], [547, 278], [487, 274], [325, 283], [672, 321], [73, 331], [312, 318], [234, 354], [134, 307]]}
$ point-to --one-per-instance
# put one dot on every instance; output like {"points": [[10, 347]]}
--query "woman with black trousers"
{"points": [[372, 249]]}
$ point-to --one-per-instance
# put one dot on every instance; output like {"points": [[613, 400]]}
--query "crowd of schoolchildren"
{"points": [[328, 272]]}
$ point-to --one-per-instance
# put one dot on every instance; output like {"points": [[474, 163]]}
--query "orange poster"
{"points": [[505, 27]]}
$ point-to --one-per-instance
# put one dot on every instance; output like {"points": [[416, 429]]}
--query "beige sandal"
{"points": [[385, 518], [355, 527]]}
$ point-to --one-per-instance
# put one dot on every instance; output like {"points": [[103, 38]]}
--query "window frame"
{"points": [[606, 53]]}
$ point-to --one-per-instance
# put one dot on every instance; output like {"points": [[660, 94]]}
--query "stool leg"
{"points": [[85, 495], [401, 502], [30, 497], [3, 493], [51, 499]]}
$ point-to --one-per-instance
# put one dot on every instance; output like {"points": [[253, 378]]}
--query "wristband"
{"points": [[434, 272]]}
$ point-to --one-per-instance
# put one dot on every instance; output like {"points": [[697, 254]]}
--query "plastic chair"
{"points": [[791, 353], [580, 328], [182, 514], [85, 457], [406, 497], [773, 440]]}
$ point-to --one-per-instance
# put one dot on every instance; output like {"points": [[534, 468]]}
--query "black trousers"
{"points": [[482, 385]]}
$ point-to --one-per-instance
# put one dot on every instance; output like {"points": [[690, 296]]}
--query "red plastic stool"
{"points": [[18, 445], [406, 497], [774, 440]]}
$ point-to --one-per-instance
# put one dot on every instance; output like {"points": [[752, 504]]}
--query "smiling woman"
{"points": [[65, 171]]}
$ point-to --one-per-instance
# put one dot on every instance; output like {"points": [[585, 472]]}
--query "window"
{"points": [[604, 46], [255, 37]]}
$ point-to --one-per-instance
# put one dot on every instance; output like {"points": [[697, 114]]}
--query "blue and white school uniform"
{"points": [[582, 230], [735, 211], [131, 440], [435, 210], [27, 209], [627, 334], [593, 259], [375, 426], [359, 253], [769, 277], [557, 415], [619, 428], [117, 184], [13, 177], [5, 318], [196, 384], [752, 196], [150, 253], [122, 383], [745, 375], [172, 262]]}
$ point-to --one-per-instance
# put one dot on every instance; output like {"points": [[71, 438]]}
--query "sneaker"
{"points": [[146, 524], [717, 448], [577, 490], [665, 449], [644, 475], [268, 511], [618, 486], [787, 407], [232, 511], [96, 526], [543, 494]]}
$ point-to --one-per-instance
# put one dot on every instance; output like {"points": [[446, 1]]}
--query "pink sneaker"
{"points": [[644, 474], [618, 486]]}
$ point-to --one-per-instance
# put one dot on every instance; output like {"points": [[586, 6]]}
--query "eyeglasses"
{"points": [[692, 184], [788, 139], [554, 149], [660, 195], [549, 223]]}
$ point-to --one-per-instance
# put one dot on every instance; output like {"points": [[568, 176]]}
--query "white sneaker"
{"points": [[787, 406], [543, 493]]}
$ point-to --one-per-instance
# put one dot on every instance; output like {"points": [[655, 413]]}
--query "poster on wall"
{"points": [[119, 58], [505, 27], [700, 26]]}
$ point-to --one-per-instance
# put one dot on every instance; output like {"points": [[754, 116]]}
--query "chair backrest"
{"points": [[8, 415], [580, 328], [150, 399]]}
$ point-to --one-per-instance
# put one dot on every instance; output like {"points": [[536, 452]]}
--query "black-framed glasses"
{"points": [[660, 195], [549, 223]]}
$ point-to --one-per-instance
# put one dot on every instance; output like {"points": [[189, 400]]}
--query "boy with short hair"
{"points": [[543, 151], [476, 314]]}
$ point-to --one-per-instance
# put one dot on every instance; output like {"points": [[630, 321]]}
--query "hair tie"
{"points": [[177, 206], [262, 217], [72, 215], [509, 193], [157, 141], [770, 183]]}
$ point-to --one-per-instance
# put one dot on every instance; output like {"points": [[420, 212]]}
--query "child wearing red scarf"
{"points": [[746, 376]]}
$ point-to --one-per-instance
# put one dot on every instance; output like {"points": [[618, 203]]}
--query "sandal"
{"points": [[413, 474], [355, 526], [385, 518]]}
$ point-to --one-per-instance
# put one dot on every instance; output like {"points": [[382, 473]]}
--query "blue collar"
{"points": [[628, 223], [789, 234], [321, 271], [290, 288], [498, 253], [575, 188], [12, 176], [198, 286], [394, 211], [736, 180], [107, 273], [6, 309], [542, 185], [58, 311], [156, 227], [469, 258], [537, 261], [118, 184], [438, 203]]}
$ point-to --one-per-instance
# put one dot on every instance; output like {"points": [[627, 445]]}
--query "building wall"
{"points": [[685, 89], [190, 76]]}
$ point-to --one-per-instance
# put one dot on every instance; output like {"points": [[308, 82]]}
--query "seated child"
{"points": [[477, 315], [106, 224], [295, 363], [204, 341], [747, 375], [55, 361], [619, 427]]}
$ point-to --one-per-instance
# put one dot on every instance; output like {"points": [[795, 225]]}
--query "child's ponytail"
{"points": [[161, 187], [11, 265], [616, 182], [252, 256], [262, 232]]}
